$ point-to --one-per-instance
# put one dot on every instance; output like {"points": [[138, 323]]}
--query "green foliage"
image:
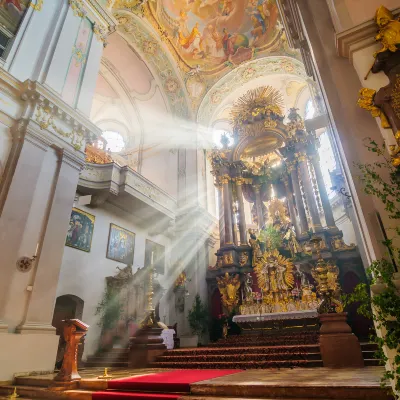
{"points": [[385, 304], [273, 237], [109, 309], [198, 317]]}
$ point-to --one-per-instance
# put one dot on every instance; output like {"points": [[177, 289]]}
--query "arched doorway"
{"points": [[67, 306], [360, 325]]}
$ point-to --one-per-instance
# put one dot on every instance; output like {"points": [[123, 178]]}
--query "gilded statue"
{"points": [[366, 101], [291, 240], [255, 245], [248, 288], [274, 274], [228, 287], [385, 103], [389, 30]]}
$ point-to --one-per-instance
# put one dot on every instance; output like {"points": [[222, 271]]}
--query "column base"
{"points": [[31, 327], [3, 327], [27, 353], [318, 228]]}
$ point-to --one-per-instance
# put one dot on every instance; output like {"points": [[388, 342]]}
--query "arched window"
{"points": [[310, 110], [115, 141]]}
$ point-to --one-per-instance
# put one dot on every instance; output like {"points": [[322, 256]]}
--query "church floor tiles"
{"points": [[297, 383]]}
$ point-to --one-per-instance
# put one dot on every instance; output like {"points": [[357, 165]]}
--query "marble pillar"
{"points": [[258, 203], [227, 210], [221, 214], [292, 211], [242, 217], [299, 201], [308, 191], [326, 205]]}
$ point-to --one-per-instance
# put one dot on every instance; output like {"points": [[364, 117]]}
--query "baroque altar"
{"points": [[276, 223]]}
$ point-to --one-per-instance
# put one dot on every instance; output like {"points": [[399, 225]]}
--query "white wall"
{"points": [[83, 274]]}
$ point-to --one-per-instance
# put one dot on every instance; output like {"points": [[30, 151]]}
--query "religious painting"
{"points": [[80, 231], [121, 243], [11, 14], [212, 34], [155, 254]]}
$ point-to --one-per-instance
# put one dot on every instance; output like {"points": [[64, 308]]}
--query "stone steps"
{"points": [[237, 364]]}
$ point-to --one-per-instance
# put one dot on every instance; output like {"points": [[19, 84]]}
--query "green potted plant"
{"points": [[198, 321]]}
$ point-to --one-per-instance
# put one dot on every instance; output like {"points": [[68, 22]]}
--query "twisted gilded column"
{"points": [[308, 190], [291, 167], [227, 209], [258, 202], [292, 211], [242, 218], [218, 185], [326, 205]]}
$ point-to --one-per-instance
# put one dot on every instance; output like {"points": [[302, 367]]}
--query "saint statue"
{"points": [[255, 245], [291, 240]]}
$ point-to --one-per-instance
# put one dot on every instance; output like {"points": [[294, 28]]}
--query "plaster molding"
{"points": [[244, 74], [51, 113], [98, 14], [358, 38]]}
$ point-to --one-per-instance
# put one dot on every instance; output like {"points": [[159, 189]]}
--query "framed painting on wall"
{"points": [[80, 231], [155, 253], [121, 243]]}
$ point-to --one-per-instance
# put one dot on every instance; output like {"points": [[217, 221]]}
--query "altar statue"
{"points": [[248, 288], [291, 240], [255, 245], [274, 275]]}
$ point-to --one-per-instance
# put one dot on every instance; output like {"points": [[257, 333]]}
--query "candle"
{"points": [[37, 249], [152, 257]]}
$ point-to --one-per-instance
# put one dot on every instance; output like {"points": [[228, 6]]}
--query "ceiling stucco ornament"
{"points": [[146, 43], [241, 76]]}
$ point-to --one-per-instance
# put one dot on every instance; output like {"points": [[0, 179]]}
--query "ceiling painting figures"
{"points": [[214, 34]]}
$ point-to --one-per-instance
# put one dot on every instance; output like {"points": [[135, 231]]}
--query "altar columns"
{"points": [[292, 211], [258, 202], [329, 219], [218, 185], [308, 190], [242, 218], [299, 201], [227, 210]]}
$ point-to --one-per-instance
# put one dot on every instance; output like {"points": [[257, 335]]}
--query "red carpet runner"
{"points": [[164, 385]]}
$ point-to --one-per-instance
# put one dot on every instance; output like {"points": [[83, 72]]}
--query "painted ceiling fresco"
{"points": [[212, 34], [206, 39]]}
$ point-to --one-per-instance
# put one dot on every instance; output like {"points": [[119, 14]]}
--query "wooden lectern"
{"points": [[73, 331]]}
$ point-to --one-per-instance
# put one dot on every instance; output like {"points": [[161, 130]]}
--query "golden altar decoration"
{"points": [[229, 288], [275, 277]]}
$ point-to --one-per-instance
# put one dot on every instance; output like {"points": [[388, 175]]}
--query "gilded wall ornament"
{"points": [[45, 119], [228, 259], [95, 155], [243, 258], [38, 6], [78, 8], [229, 288], [338, 244], [101, 33]]}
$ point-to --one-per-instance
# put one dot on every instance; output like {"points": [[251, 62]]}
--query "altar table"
{"points": [[278, 316]]}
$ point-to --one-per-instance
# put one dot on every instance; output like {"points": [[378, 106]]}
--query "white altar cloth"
{"points": [[168, 338], [278, 316]]}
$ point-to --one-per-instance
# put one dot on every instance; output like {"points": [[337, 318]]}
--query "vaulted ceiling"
{"points": [[201, 54]]}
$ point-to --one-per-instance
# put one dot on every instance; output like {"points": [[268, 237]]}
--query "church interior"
{"points": [[200, 199]]}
